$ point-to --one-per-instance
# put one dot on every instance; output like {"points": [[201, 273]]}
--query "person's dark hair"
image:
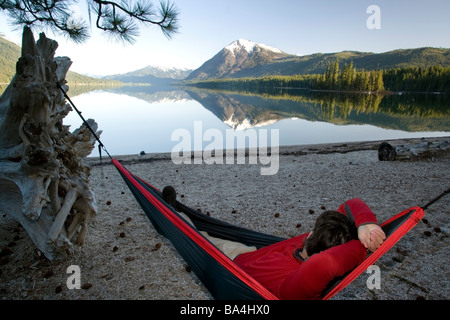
{"points": [[331, 229]]}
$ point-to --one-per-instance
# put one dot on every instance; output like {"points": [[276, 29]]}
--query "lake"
{"points": [[155, 120]]}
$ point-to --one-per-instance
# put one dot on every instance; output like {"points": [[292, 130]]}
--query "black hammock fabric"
{"points": [[223, 278]]}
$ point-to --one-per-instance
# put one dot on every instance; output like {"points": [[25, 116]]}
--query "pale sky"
{"points": [[293, 26]]}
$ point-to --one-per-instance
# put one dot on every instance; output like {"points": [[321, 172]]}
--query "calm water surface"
{"points": [[135, 119]]}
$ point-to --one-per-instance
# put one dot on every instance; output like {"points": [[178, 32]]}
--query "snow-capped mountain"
{"points": [[152, 74], [236, 57], [249, 46]]}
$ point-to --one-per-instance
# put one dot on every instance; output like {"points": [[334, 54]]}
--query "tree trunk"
{"points": [[44, 180], [387, 152]]}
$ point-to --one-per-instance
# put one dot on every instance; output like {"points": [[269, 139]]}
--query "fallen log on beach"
{"points": [[387, 152]]}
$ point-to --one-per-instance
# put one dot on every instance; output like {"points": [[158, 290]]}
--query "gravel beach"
{"points": [[125, 258]]}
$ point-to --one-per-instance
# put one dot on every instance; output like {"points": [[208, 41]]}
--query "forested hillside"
{"points": [[346, 78], [10, 53], [238, 64]]}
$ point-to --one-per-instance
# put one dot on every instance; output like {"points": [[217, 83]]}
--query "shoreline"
{"points": [[125, 258], [304, 149]]}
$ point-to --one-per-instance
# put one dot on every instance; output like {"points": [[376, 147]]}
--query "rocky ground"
{"points": [[125, 258]]}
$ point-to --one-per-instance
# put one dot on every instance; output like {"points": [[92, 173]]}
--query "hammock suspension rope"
{"points": [[100, 143]]}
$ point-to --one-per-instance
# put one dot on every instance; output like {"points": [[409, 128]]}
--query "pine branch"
{"points": [[118, 20]]}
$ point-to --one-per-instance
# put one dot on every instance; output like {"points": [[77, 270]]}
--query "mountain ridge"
{"points": [[240, 62], [244, 58], [151, 74], [239, 55]]}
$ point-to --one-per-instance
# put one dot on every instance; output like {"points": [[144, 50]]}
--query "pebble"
{"points": [[48, 273], [157, 246], [86, 286]]}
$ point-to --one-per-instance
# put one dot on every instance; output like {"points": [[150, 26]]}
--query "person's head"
{"points": [[331, 229]]}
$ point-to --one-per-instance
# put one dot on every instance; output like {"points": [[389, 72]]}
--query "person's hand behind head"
{"points": [[371, 236]]}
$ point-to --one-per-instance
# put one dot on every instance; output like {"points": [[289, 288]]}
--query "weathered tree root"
{"points": [[44, 180]]}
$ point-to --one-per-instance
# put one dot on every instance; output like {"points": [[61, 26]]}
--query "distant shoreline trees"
{"points": [[346, 79], [432, 79], [349, 79]]}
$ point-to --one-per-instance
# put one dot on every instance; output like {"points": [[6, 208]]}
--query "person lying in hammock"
{"points": [[303, 266]]}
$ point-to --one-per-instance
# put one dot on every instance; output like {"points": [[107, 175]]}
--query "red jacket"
{"points": [[286, 276]]}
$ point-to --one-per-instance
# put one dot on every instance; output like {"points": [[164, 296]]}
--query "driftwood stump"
{"points": [[387, 152], [44, 180]]}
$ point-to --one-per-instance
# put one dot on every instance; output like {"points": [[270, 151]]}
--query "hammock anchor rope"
{"points": [[436, 199], [100, 143]]}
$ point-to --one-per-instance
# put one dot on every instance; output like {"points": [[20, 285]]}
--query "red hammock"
{"points": [[223, 278]]}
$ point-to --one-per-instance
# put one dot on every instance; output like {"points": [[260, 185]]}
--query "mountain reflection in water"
{"points": [[143, 118]]}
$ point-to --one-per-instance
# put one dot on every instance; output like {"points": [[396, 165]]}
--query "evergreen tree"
{"points": [[335, 75], [379, 81]]}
